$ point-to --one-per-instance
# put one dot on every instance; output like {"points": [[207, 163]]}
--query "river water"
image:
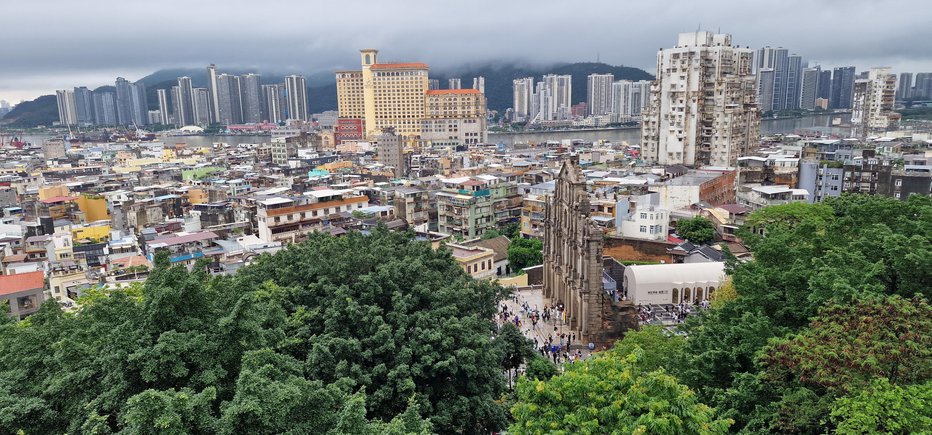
{"points": [[814, 123], [191, 141]]}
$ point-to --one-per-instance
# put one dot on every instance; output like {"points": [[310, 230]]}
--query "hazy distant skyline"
{"points": [[48, 45]]}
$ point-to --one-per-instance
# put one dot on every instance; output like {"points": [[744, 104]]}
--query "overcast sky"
{"points": [[56, 44]]}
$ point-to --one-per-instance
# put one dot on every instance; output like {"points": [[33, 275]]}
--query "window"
{"points": [[643, 229], [643, 215], [899, 182]]}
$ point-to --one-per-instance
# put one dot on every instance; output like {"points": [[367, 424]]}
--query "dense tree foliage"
{"points": [[611, 393], [515, 349], [835, 297], [884, 408], [698, 230], [356, 334], [525, 253], [847, 346]]}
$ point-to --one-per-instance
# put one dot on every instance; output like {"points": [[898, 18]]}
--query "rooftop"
{"points": [[400, 65], [10, 284], [453, 91]]}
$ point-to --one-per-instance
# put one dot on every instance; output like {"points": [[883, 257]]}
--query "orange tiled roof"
{"points": [[452, 91], [18, 282], [398, 65]]}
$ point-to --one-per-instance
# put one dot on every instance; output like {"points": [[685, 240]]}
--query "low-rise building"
{"points": [[641, 217], [755, 196], [67, 280], [25, 292], [283, 218], [185, 248], [412, 204], [666, 284], [476, 261]]}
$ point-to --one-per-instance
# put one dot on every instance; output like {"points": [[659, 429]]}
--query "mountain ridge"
{"points": [[322, 86]]}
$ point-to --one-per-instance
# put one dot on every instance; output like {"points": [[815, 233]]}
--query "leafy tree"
{"points": [[325, 335], [390, 315], [884, 408], [540, 368], [725, 293], [611, 394], [512, 230], [659, 348], [698, 230], [525, 253], [170, 412], [722, 344], [847, 346], [490, 234], [515, 349]]}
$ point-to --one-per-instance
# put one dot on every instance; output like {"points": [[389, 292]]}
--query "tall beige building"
{"points": [[872, 106], [454, 117], [390, 95], [703, 104], [351, 103]]}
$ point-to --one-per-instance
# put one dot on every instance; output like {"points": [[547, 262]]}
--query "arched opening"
{"points": [[676, 295], [698, 296], [368, 61], [711, 291]]}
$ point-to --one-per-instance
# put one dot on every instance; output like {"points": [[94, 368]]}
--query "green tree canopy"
{"points": [[698, 230], [370, 333], [611, 394], [847, 346], [525, 253], [846, 257], [884, 408]]}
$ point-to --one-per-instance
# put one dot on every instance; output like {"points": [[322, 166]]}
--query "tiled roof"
{"points": [[18, 282], [498, 244]]}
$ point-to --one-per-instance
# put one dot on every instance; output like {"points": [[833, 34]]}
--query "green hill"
{"points": [[41, 111]]}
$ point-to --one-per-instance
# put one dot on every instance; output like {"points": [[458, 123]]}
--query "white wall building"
{"points": [[523, 93], [599, 93], [664, 284], [67, 112], [640, 217]]}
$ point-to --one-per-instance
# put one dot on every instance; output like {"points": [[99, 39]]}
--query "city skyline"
{"points": [[40, 64]]}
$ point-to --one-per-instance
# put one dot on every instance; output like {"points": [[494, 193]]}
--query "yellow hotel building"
{"points": [[384, 94]]}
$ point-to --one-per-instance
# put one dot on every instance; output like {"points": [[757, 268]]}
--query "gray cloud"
{"points": [[49, 44]]}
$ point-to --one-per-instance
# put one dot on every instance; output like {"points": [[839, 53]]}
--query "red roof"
{"points": [[58, 199], [452, 91], [18, 282], [398, 65], [676, 240]]}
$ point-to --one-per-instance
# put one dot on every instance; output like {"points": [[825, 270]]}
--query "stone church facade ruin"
{"points": [[573, 264]]}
